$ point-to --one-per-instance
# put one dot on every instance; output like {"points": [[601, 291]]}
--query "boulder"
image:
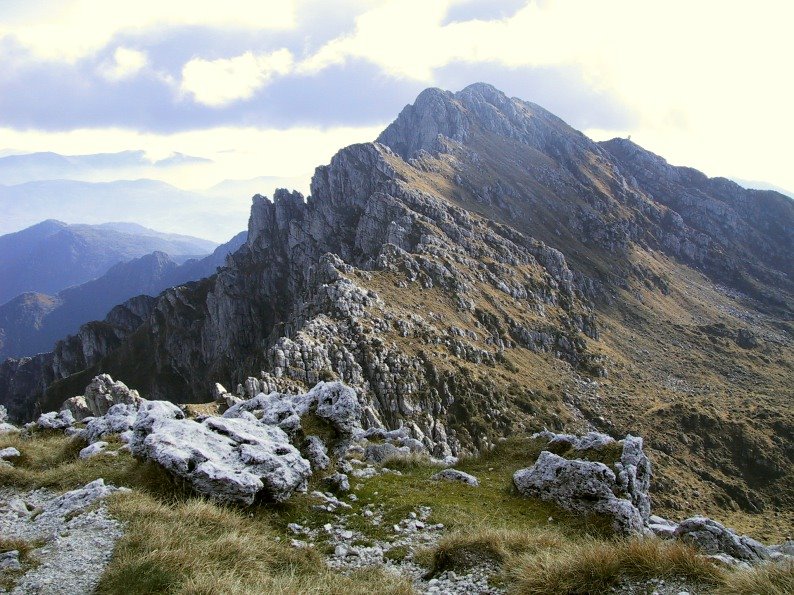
{"points": [[78, 407], [337, 404], [662, 527], [338, 482], [219, 391], [591, 440], [711, 537], [455, 475], [9, 561], [117, 420], [379, 452], [581, 486], [70, 502], [103, 392], [7, 428], [53, 420], [332, 401], [226, 459], [634, 475]]}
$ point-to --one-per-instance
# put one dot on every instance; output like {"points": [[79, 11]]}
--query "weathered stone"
{"points": [[316, 452], [9, 453], [103, 392], [9, 561], [227, 459], [55, 420], [93, 449], [78, 499], [338, 482], [711, 537], [455, 475], [78, 407], [634, 475], [581, 486], [117, 420]]}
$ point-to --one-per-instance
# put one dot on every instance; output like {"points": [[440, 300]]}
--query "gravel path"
{"points": [[78, 536]]}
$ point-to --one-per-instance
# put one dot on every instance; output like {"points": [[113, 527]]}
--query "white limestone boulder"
{"points": [[55, 420], [711, 537], [580, 486], [227, 459], [103, 392], [117, 420]]}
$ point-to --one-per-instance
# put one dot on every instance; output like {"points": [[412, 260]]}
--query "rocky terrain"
{"points": [[483, 270], [276, 449]]}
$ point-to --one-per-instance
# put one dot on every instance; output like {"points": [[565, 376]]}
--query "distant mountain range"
{"points": [[32, 322], [51, 256], [217, 213], [29, 167]]}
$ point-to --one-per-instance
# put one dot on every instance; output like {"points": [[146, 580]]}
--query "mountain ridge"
{"points": [[486, 271]]}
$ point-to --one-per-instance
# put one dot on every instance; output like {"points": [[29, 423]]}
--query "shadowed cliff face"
{"points": [[485, 269]]}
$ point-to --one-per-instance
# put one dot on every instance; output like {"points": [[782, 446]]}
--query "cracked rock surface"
{"points": [[76, 532]]}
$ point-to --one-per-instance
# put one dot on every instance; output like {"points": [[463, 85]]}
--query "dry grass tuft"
{"points": [[196, 547], [769, 579], [596, 566], [465, 549]]}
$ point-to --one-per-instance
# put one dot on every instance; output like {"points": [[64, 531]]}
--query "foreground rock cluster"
{"points": [[266, 447]]}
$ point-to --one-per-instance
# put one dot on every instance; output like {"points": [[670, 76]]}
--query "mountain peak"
{"points": [[437, 117]]}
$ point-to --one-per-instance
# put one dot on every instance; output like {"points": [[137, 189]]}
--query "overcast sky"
{"points": [[265, 88]]}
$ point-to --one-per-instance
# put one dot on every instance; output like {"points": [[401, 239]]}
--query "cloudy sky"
{"points": [[274, 88]]}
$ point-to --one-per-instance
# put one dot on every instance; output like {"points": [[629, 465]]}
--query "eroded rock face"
{"points": [[118, 419], [103, 392], [711, 537], [227, 459], [331, 401], [582, 486]]}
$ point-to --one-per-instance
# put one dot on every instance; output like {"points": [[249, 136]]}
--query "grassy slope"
{"points": [[717, 417], [178, 543]]}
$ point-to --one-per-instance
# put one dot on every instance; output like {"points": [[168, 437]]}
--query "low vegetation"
{"points": [[175, 542], [597, 566]]}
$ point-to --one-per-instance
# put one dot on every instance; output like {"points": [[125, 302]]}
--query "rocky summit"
{"points": [[480, 273]]}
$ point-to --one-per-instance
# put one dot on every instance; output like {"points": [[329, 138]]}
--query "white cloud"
{"points": [[73, 29], [236, 152], [707, 79], [219, 82], [126, 64]]}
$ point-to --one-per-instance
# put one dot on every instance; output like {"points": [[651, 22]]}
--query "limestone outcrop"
{"points": [[227, 459]]}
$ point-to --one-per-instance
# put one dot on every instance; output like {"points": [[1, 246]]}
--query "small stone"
{"points": [[10, 561], [9, 453]]}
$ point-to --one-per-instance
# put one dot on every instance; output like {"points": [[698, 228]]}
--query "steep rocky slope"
{"points": [[485, 269]]}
